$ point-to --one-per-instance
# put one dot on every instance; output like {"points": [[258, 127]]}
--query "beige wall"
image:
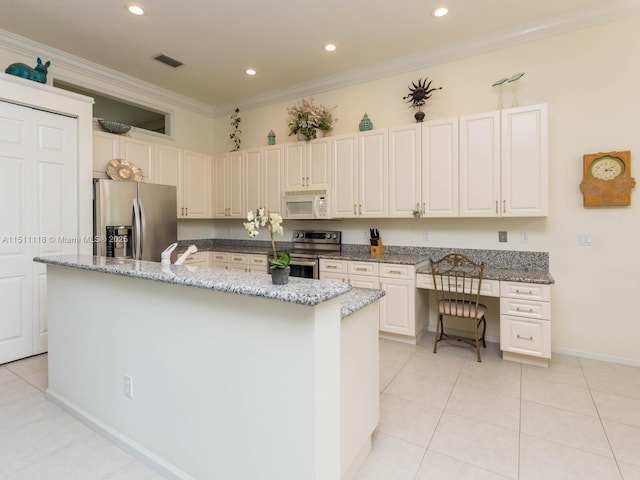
{"points": [[589, 79]]}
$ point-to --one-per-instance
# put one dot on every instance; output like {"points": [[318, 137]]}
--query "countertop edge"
{"points": [[298, 290]]}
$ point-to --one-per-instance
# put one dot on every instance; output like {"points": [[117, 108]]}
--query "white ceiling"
{"points": [[282, 39]]}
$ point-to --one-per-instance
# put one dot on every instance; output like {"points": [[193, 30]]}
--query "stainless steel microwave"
{"points": [[306, 205]]}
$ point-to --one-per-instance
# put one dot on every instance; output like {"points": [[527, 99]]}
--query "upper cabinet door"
{"points": [[272, 178], [404, 170], [106, 147], [141, 154], [373, 165], [440, 169], [253, 174], [236, 185], [295, 158], [169, 171], [525, 162], [197, 185], [344, 187], [318, 165], [480, 165]]}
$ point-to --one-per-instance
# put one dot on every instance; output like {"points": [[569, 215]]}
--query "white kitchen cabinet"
{"points": [[480, 165], [307, 165], [108, 146], [272, 185], [39, 216], [373, 171], [190, 173], [345, 191], [219, 260], [229, 185], [263, 178], [525, 322], [360, 187], [197, 259], [405, 182], [245, 262], [335, 270], [504, 163], [439, 169], [253, 179], [403, 310], [525, 162]]}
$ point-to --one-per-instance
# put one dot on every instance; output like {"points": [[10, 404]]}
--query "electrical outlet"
{"points": [[367, 234], [425, 236], [230, 230], [524, 237], [128, 386], [502, 237]]}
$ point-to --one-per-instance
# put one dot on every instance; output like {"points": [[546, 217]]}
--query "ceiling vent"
{"points": [[167, 60]]}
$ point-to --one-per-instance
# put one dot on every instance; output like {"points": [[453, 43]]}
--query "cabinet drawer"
{"points": [[489, 288], [363, 268], [525, 336], [199, 258], [397, 271], [530, 291], [236, 259], [220, 257], [257, 261], [525, 308], [333, 266]]}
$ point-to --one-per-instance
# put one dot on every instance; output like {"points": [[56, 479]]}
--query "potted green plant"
{"points": [[273, 221], [308, 120]]}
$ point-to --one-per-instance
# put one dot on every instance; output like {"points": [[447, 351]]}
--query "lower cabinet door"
{"points": [[525, 336], [397, 308]]}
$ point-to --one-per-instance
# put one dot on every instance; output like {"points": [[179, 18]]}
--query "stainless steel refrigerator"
{"points": [[133, 219]]}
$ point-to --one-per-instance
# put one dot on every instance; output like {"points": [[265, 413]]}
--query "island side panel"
{"points": [[224, 386]]}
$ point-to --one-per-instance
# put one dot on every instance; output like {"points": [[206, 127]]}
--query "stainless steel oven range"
{"points": [[307, 246]]}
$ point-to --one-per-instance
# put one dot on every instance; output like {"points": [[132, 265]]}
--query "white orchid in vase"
{"points": [[273, 221]]}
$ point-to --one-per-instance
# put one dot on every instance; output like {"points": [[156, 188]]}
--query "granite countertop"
{"points": [[299, 290], [508, 274]]}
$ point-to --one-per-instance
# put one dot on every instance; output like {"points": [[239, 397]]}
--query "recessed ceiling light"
{"points": [[135, 9], [330, 47], [440, 12], [250, 71]]}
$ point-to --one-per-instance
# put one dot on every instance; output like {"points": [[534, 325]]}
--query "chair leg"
{"points": [[478, 343], [439, 332], [484, 330]]}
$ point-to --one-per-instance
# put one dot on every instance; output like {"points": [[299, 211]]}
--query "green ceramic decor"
{"points": [[37, 74], [365, 123], [271, 137]]}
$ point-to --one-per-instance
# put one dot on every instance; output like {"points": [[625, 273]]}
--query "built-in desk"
{"points": [[525, 311]]}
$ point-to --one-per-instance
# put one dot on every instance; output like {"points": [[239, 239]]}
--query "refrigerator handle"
{"points": [[143, 229], [136, 230]]}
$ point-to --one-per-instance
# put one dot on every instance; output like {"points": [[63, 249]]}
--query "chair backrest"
{"points": [[457, 280]]}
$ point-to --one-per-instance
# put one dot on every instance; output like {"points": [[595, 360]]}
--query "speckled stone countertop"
{"points": [[298, 290]]}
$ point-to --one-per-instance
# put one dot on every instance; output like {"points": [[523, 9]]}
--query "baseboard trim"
{"points": [[125, 443], [597, 356]]}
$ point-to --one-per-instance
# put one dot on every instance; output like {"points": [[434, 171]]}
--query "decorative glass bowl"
{"points": [[114, 127]]}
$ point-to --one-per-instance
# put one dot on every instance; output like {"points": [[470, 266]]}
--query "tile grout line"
{"points": [[604, 430]]}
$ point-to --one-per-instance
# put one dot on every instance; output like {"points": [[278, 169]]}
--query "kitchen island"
{"points": [[216, 374]]}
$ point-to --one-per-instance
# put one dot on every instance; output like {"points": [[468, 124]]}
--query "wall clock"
{"points": [[607, 180]]}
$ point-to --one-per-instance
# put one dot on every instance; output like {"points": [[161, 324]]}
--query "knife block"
{"points": [[377, 249]]}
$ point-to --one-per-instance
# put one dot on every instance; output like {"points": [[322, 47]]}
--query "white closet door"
{"points": [[55, 150], [16, 214], [38, 216]]}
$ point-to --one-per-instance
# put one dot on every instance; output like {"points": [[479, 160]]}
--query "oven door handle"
{"points": [[302, 263]]}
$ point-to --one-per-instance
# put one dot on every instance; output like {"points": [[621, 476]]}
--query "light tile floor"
{"points": [[443, 416]]}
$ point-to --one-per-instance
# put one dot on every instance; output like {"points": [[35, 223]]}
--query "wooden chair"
{"points": [[457, 280]]}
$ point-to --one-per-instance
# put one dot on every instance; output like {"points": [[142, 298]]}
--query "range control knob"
{"points": [[327, 236], [334, 235]]}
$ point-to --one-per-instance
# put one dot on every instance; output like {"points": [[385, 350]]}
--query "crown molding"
{"points": [[28, 47], [610, 11]]}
